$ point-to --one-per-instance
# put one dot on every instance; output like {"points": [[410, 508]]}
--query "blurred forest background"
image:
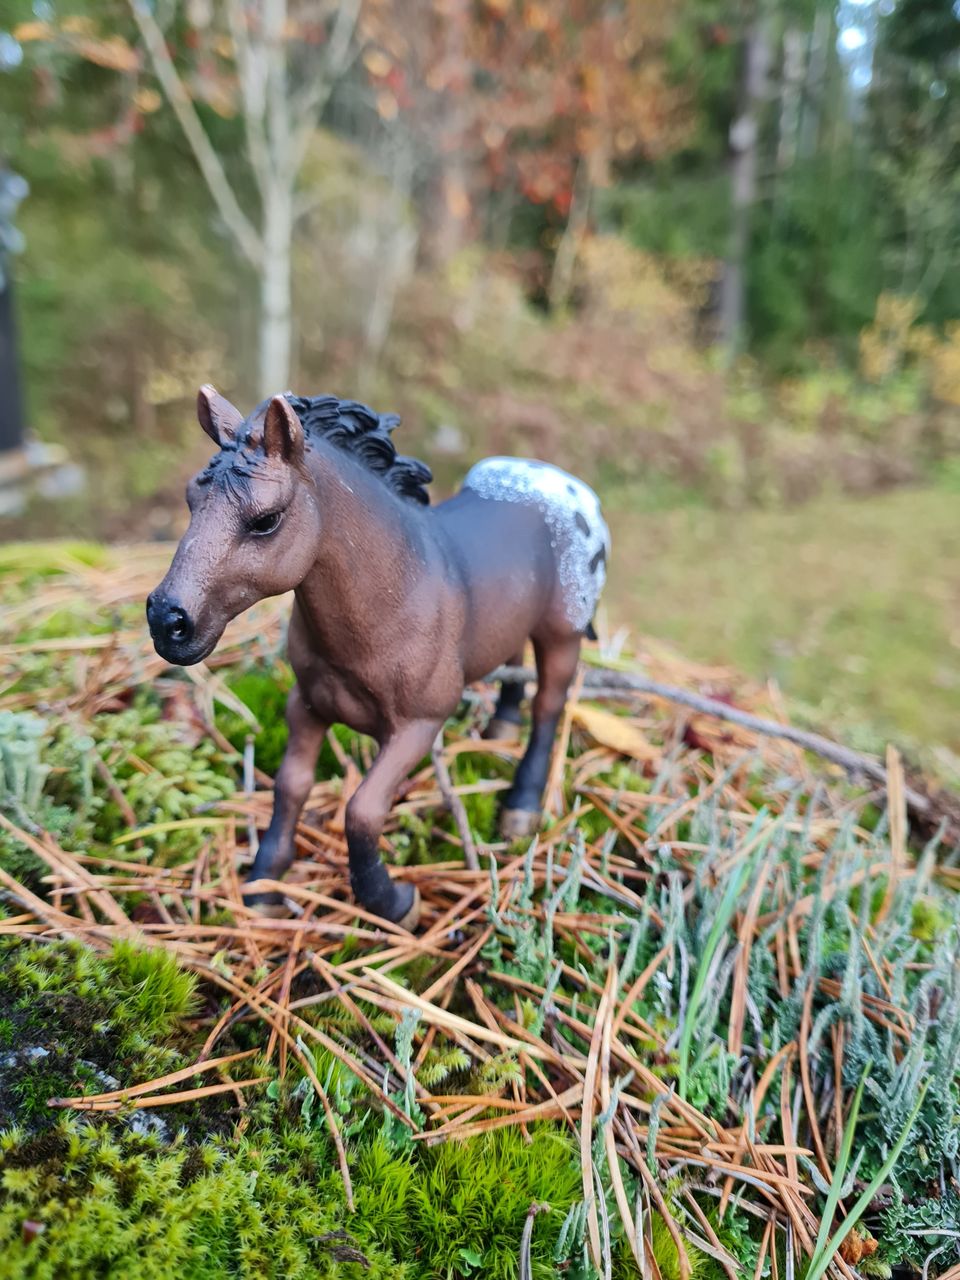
{"points": [[705, 254]]}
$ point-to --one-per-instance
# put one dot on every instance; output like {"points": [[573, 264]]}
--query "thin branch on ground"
{"points": [[608, 683], [454, 804]]}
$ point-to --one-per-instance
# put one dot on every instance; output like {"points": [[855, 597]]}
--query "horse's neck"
{"points": [[370, 554]]}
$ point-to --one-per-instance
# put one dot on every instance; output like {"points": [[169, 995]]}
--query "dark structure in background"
{"points": [[13, 188]]}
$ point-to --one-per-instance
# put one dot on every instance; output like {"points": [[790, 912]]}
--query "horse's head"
{"points": [[254, 527]]}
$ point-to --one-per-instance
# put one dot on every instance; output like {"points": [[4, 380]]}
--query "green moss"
{"points": [[664, 1249], [120, 1207], [458, 1202], [138, 988], [156, 991], [263, 690], [930, 919], [35, 1083], [164, 777], [49, 778], [72, 1013], [414, 841], [275, 1206], [481, 807], [269, 1205]]}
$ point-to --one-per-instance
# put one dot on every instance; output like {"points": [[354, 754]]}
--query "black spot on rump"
{"points": [[582, 524], [599, 559], [571, 489]]}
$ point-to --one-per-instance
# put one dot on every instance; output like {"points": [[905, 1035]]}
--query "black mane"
{"points": [[358, 430]]}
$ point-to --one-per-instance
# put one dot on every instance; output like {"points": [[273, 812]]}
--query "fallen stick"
{"points": [[608, 683], [454, 804]]}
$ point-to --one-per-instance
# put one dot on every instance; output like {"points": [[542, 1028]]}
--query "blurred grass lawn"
{"points": [[853, 605]]}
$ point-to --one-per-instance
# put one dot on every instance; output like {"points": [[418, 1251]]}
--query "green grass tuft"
{"points": [[155, 991]]}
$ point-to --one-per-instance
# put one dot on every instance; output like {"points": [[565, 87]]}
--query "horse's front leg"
{"points": [[556, 666], [291, 788], [366, 813]]}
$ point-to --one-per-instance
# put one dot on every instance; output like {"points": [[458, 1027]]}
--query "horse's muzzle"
{"points": [[171, 628]]}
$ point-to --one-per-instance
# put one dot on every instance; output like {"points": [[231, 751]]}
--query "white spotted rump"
{"points": [[572, 512]]}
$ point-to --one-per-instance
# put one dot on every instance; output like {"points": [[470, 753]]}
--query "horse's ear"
{"points": [[282, 431], [218, 417]]}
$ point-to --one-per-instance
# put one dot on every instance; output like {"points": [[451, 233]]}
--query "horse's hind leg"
{"points": [[556, 666], [504, 725], [291, 788]]}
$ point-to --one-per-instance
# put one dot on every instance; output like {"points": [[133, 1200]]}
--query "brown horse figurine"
{"points": [[397, 605]]}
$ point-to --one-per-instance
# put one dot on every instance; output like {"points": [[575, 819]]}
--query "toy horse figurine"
{"points": [[397, 605]]}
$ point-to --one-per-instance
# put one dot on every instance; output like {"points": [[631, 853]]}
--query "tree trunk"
{"points": [[814, 80], [275, 293], [445, 215], [791, 90], [744, 147], [397, 245], [447, 209], [568, 250]]}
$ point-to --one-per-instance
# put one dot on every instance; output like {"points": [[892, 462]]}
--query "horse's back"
{"points": [[571, 512]]}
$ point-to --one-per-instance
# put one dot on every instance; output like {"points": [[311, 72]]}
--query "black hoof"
{"points": [[396, 901], [500, 730], [517, 824], [401, 905], [266, 904], [411, 916]]}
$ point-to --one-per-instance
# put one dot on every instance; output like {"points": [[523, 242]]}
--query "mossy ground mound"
{"points": [[708, 1024]]}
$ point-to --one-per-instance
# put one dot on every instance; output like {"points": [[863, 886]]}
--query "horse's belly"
{"points": [[570, 510]]}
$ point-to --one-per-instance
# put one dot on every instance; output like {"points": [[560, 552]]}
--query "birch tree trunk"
{"points": [[279, 120], [791, 90], [744, 147], [276, 309], [276, 195]]}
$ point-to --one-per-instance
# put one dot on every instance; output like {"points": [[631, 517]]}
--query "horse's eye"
{"points": [[265, 524]]}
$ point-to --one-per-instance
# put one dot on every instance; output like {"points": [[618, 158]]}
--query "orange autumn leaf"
{"points": [[536, 17], [387, 106], [614, 731], [857, 1247], [27, 31], [377, 63], [79, 25], [457, 200], [115, 53], [147, 101]]}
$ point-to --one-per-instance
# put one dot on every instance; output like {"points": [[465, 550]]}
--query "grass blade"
{"points": [[823, 1257]]}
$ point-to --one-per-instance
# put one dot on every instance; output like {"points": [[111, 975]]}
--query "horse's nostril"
{"points": [[177, 625]]}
